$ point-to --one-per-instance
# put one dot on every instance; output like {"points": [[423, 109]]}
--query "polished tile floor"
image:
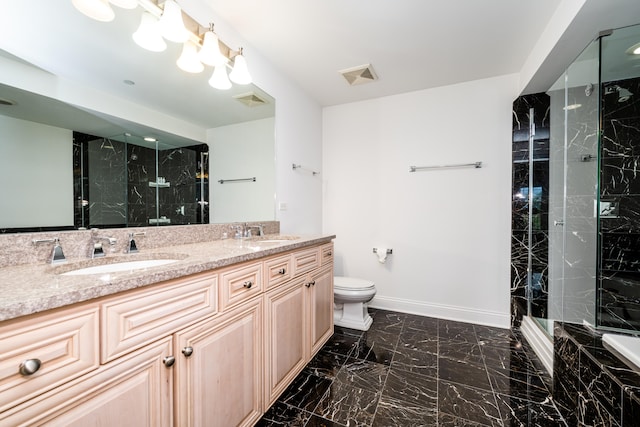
{"points": [[411, 370]]}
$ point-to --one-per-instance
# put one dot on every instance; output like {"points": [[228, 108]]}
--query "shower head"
{"points": [[623, 94]]}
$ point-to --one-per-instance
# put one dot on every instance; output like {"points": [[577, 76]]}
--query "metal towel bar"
{"points": [[476, 165], [252, 179]]}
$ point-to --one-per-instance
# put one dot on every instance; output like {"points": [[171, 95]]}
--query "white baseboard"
{"points": [[541, 342], [442, 311]]}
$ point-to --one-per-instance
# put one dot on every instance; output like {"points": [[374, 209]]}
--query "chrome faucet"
{"points": [[248, 228], [57, 256], [98, 250], [132, 248]]}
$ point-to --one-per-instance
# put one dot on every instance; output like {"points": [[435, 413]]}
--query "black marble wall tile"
{"points": [[631, 405], [600, 385], [621, 252], [591, 413]]}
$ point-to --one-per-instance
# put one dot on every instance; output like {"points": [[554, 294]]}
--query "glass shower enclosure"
{"points": [[576, 193]]}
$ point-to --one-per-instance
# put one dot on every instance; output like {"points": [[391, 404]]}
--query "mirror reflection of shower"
{"points": [[623, 94]]}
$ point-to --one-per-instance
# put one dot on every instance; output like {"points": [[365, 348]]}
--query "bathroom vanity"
{"points": [[210, 339]]}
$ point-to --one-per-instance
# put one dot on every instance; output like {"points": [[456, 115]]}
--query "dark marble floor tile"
{"points": [[363, 374], [413, 339], [446, 420], [421, 323], [457, 350], [306, 391], [507, 358], [347, 331], [456, 331], [389, 320], [348, 405], [419, 362], [462, 372], [374, 352], [325, 364], [316, 421], [281, 414], [493, 333], [392, 412], [341, 344], [528, 386], [523, 413], [410, 387], [469, 403]]}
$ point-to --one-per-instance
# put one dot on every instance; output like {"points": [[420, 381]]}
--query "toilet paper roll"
{"points": [[382, 254]]}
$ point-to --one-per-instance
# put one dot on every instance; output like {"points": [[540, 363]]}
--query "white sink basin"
{"points": [[119, 266]]}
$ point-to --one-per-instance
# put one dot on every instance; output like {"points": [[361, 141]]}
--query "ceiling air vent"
{"points": [[250, 99], [359, 75]]}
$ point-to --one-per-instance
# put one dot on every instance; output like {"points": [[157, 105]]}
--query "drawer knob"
{"points": [[282, 271], [187, 351], [308, 284], [30, 367], [329, 253], [169, 361], [248, 284], [313, 283]]}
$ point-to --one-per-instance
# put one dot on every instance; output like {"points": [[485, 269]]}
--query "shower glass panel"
{"points": [[619, 208], [572, 193]]}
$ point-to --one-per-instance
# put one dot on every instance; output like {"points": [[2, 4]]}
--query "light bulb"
{"points": [[95, 9], [171, 23], [188, 60], [125, 4], [240, 73], [147, 36], [210, 52], [219, 79]]}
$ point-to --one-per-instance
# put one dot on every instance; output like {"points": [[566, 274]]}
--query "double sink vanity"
{"points": [[194, 334]]}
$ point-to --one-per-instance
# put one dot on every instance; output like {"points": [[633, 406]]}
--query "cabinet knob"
{"points": [[248, 284], [282, 271], [313, 283], [329, 253], [169, 361], [29, 367], [308, 284], [187, 351]]}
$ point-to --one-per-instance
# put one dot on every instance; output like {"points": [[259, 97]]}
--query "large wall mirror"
{"points": [[68, 166]]}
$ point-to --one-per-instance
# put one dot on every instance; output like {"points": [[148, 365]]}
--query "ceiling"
{"points": [[411, 44]]}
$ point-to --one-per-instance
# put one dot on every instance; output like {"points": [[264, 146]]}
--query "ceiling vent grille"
{"points": [[359, 75], [250, 99]]}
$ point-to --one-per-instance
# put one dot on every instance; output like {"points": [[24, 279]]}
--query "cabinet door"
{"points": [[135, 390], [285, 328], [219, 369], [320, 308]]}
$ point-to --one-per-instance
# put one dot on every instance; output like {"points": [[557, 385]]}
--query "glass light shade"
{"points": [[188, 60], [171, 23], [210, 52], [240, 73], [100, 10], [147, 36], [219, 79], [125, 4]]}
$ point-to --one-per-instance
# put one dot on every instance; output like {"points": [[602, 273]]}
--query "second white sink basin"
{"points": [[119, 266]]}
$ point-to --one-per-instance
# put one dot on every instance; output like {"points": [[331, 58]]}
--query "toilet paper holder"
{"points": [[389, 251]]}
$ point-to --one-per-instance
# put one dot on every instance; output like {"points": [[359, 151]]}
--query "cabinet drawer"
{"points": [[240, 283], [326, 253], [306, 260], [65, 343], [277, 270], [131, 321]]}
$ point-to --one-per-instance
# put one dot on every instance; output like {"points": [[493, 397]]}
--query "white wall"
{"points": [[449, 229], [36, 171], [252, 201]]}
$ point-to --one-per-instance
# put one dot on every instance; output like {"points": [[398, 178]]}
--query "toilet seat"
{"points": [[352, 284]]}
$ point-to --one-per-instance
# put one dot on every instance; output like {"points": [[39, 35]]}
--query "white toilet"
{"points": [[350, 296]]}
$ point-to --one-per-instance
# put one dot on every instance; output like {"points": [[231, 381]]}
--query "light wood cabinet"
{"points": [[135, 390], [219, 369], [210, 349], [57, 347], [285, 331]]}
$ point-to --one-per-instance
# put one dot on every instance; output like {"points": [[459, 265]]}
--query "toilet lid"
{"points": [[341, 282]]}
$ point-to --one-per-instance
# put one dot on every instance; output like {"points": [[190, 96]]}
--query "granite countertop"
{"points": [[32, 288]]}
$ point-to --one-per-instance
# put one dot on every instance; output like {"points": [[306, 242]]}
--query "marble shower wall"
{"points": [[520, 241], [620, 207]]}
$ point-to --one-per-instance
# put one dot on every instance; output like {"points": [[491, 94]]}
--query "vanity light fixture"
{"points": [[150, 139], [240, 73], [171, 24], [634, 50], [100, 10], [168, 22], [148, 36], [210, 52], [188, 60]]}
